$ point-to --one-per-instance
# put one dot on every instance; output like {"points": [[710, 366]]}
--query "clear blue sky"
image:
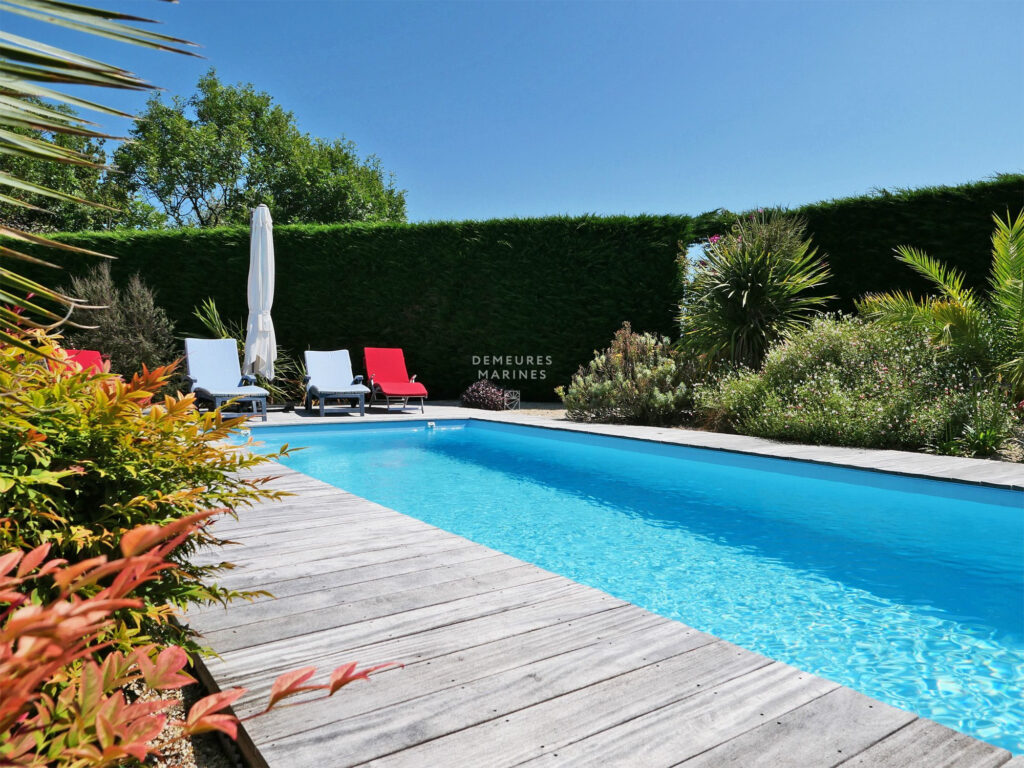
{"points": [[491, 109]]}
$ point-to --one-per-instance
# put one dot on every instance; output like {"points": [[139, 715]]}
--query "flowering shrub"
{"points": [[63, 705], [484, 394], [81, 463], [846, 382], [639, 379]]}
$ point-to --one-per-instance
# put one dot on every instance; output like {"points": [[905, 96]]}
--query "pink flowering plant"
{"points": [[64, 693]]}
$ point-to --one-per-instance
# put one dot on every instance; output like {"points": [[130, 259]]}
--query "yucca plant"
{"points": [[753, 286], [28, 69], [987, 329]]}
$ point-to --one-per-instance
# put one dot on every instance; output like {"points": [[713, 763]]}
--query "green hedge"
{"points": [[554, 287], [446, 292], [859, 234], [953, 224]]}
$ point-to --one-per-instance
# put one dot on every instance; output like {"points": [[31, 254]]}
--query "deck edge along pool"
{"points": [[950, 491]]}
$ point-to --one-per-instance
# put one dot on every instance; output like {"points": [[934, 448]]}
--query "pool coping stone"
{"points": [[985, 472]]}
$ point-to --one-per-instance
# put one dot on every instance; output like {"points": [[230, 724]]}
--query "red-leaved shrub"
{"points": [[62, 699], [484, 394]]}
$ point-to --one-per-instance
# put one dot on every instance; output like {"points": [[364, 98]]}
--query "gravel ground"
{"points": [[548, 410], [207, 750]]}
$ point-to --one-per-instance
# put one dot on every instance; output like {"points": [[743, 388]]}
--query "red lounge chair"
{"points": [[389, 380], [89, 360]]}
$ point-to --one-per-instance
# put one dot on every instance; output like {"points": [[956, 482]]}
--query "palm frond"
{"points": [[1013, 370], [949, 281], [22, 118], [26, 107], [66, 56], [1007, 296], [96, 21], [1007, 275], [27, 69], [14, 182], [26, 88], [20, 203], [10, 252], [18, 144], [896, 308], [28, 237], [956, 324]]}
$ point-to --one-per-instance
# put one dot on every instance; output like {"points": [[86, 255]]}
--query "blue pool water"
{"points": [[911, 591]]}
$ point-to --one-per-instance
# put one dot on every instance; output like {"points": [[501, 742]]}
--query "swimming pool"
{"points": [[908, 590]]}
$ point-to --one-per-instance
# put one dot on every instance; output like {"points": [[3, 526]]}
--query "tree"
{"points": [[83, 181], [207, 159]]}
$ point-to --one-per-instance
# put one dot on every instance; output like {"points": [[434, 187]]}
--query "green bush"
{"points": [[753, 285], [846, 382], [639, 379], [986, 329], [82, 462], [129, 327]]}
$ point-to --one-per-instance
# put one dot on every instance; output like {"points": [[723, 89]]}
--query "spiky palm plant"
{"points": [[28, 69], [752, 287], [987, 329]]}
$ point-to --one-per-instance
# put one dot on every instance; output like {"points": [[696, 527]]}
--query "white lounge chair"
{"points": [[215, 375], [329, 377]]}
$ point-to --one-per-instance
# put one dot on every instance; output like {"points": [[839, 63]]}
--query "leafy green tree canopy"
{"points": [[41, 213], [207, 159]]}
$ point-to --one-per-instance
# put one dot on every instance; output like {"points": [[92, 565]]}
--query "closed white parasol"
{"points": [[260, 341]]}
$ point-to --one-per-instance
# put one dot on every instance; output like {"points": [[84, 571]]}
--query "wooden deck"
{"points": [[508, 664]]}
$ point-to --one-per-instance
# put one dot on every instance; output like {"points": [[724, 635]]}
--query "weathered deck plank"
{"points": [[323, 561], [824, 731], [547, 727], [506, 663], [926, 744], [311, 648], [342, 577], [329, 598], [476, 675], [517, 581], [386, 730], [702, 715], [572, 609]]}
